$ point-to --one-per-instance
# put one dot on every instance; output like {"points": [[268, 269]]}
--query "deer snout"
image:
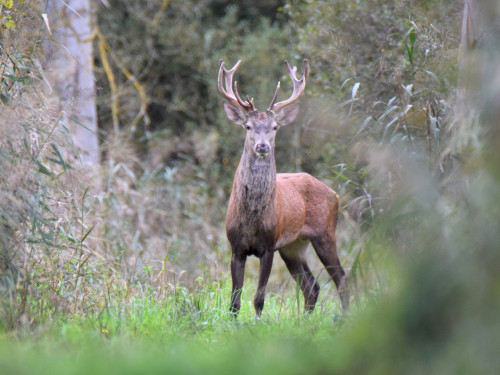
{"points": [[262, 149]]}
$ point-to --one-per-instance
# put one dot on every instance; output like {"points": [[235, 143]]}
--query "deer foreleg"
{"points": [[266, 263], [237, 275]]}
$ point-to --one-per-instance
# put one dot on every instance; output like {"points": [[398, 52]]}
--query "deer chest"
{"points": [[253, 237]]}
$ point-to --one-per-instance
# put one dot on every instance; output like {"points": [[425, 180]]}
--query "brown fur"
{"points": [[285, 212]]}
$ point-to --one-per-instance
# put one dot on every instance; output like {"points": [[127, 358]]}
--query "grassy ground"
{"points": [[410, 331], [186, 333]]}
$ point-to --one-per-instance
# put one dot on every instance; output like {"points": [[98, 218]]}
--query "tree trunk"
{"points": [[70, 59], [480, 65], [480, 55], [480, 30]]}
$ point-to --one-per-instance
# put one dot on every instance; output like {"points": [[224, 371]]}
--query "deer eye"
{"points": [[248, 127], [275, 127]]}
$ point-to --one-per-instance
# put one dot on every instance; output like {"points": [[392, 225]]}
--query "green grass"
{"points": [[185, 333], [420, 326], [246, 349]]}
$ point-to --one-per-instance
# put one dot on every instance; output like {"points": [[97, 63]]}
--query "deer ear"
{"points": [[235, 114], [287, 114]]}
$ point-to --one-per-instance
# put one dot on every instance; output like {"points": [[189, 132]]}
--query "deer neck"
{"points": [[256, 182]]}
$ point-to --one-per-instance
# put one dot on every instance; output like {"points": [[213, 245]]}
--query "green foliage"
{"points": [[374, 82], [176, 55]]}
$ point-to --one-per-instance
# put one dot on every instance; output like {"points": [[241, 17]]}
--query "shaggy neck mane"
{"points": [[256, 186]]}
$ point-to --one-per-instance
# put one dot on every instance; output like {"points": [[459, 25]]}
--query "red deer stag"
{"points": [[269, 211]]}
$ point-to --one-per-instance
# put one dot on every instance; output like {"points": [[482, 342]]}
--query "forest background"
{"points": [[125, 242]]}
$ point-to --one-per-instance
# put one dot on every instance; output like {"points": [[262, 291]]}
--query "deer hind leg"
{"points": [[326, 249], [294, 257]]}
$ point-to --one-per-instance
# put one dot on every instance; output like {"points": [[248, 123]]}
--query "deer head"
{"points": [[261, 126]]}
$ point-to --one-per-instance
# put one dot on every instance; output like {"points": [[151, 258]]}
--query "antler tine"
{"points": [[248, 105], [228, 92], [275, 96], [299, 86]]}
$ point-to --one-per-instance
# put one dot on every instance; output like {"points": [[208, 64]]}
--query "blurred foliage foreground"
{"points": [[107, 253]]}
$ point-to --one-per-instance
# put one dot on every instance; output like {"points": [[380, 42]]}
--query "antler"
{"points": [[228, 92], [298, 87]]}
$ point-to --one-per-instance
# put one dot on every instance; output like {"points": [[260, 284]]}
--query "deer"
{"points": [[270, 212]]}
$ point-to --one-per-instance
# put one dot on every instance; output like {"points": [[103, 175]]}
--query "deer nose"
{"points": [[262, 148]]}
